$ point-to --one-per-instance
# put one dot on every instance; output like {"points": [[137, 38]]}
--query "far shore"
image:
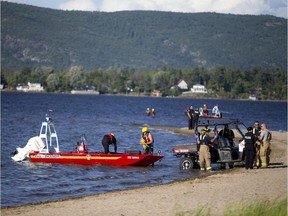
{"points": [[215, 193], [142, 95]]}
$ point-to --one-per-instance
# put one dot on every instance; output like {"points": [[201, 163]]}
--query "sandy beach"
{"points": [[221, 190]]}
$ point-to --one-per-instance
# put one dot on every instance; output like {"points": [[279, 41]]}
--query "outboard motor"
{"points": [[33, 144], [46, 142]]}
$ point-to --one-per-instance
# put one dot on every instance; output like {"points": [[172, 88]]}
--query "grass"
{"points": [[266, 208]]}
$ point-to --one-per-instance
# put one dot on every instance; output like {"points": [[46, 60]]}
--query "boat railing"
{"points": [[49, 136]]}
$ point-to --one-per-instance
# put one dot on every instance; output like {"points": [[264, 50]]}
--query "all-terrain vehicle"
{"points": [[224, 149]]}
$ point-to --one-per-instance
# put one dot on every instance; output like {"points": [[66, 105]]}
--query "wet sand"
{"points": [[217, 192]]}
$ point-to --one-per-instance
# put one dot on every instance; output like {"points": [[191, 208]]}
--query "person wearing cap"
{"points": [[265, 138], [107, 140], [250, 142], [147, 141], [205, 141]]}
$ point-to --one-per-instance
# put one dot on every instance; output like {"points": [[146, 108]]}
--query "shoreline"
{"points": [[222, 188], [131, 95]]}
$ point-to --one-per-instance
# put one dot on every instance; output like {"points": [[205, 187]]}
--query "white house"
{"points": [[199, 89], [182, 85], [32, 87]]}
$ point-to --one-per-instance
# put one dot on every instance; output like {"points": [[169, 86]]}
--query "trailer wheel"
{"points": [[186, 163]]}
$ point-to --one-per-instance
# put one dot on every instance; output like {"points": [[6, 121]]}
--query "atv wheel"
{"points": [[231, 165], [186, 163]]}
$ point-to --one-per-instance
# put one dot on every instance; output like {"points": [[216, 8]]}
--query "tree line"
{"points": [[221, 82]]}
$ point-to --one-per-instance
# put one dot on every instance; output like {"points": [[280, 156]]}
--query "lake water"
{"points": [[94, 116]]}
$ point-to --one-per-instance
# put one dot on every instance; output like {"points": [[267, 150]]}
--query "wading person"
{"points": [[249, 148], [107, 140], [147, 141]]}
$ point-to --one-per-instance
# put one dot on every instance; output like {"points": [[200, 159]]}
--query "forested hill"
{"points": [[33, 36]]}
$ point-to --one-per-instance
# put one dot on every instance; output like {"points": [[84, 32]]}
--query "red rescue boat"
{"points": [[45, 149], [94, 158]]}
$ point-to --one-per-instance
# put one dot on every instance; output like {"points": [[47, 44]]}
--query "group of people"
{"points": [[193, 114], [257, 146], [150, 112], [146, 141], [193, 117]]}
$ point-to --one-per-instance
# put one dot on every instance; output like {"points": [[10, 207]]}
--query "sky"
{"points": [[252, 7]]}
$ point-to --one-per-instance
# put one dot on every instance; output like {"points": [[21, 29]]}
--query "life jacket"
{"points": [[145, 136], [256, 132], [201, 138], [82, 148], [110, 136]]}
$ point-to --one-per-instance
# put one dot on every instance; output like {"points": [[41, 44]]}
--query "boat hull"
{"points": [[119, 159], [210, 116]]}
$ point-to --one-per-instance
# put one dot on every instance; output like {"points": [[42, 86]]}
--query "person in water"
{"points": [[107, 140], [153, 112], [147, 141], [148, 112]]}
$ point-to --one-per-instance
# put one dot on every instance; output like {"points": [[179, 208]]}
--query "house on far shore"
{"points": [[182, 85], [85, 90], [31, 87], [199, 89]]}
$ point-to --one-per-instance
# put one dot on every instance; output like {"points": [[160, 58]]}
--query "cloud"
{"points": [[255, 7], [83, 5]]}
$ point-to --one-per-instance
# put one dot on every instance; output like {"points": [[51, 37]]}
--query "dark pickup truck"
{"points": [[223, 150]]}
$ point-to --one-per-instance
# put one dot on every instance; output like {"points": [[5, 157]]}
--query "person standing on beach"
{"points": [[257, 132], [265, 138], [147, 141], [107, 140], [250, 141], [204, 140]]}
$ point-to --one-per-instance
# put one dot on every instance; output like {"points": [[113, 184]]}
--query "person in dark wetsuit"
{"points": [[196, 114], [107, 140], [189, 112], [226, 132], [250, 141]]}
